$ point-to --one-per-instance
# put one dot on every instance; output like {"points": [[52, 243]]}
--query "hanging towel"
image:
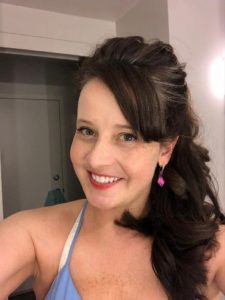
{"points": [[54, 197]]}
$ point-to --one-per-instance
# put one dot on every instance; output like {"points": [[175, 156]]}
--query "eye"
{"points": [[85, 131], [128, 137]]}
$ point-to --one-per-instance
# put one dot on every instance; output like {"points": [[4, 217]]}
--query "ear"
{"points": [[166, 151]]}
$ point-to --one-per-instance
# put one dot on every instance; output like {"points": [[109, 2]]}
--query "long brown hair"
{"points": [[183, 216]]}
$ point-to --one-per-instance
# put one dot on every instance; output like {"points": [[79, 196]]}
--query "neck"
{"points": [[102, 221]]}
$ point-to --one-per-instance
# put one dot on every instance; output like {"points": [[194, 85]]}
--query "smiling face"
{"points": [[115, 168]]}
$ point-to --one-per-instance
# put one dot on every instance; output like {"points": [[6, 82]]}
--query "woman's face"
{"points": [[115, 168]]}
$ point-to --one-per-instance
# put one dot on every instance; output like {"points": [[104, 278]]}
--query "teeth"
{"points": [[103, 179]]}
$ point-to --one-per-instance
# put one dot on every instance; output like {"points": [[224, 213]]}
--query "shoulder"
{"points": [[32, 242], [220, 238], [221, 235], [50, 227], [52, 224], [36, 224], [31, 229], [50, 232], [53, 215], [217, 263], [30, 221]]}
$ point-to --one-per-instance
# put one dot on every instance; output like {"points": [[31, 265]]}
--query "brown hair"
{"points": [[182, 217]]}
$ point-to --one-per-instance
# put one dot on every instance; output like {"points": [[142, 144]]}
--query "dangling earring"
{"points": [[161, 180]]}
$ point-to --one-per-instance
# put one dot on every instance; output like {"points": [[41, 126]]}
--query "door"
{"points": [[30, 148]]}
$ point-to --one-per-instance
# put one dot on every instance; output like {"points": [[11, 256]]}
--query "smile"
{"points": [[103, 179], [102, 182]]}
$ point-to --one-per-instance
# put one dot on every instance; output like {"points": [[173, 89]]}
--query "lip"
{"points": [[101, 174], [102, 186]]}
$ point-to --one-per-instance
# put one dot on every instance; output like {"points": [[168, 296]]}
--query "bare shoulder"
{"points": [[53, 216], [220, 237], [51, 225], [221, 243], [217, 262], [50, 231], [29, 238], [48, 218], [17, 252], [218, 254]]}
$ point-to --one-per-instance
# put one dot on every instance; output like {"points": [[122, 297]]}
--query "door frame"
{"points": [[1, 199]]}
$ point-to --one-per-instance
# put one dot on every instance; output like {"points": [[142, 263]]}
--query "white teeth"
{"points": [[103, 179]]}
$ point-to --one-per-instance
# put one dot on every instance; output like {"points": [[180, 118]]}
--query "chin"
{"points": [[102, 203]]}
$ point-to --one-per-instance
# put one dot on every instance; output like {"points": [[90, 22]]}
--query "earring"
{"points": [[161, 180]]}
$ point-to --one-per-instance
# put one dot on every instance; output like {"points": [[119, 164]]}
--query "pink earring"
{"points": [[161, 180]]}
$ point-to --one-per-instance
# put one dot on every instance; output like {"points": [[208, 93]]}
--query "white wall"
{"points": [[147, 18], [39, 30], [197, 31]]}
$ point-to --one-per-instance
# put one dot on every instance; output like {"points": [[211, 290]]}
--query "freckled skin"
{"points": [[108, 262], [101, 148], [104, 151]]}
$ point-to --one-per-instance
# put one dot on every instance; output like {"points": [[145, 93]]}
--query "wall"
{"points": [[42, 78], [147, 18], [197, 31], [21, 28], [39, 30]]}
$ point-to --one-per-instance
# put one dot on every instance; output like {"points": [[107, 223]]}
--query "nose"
{"points": [[100, 154]]}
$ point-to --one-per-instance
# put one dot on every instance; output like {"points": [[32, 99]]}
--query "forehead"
{"points": [[97, 102]]}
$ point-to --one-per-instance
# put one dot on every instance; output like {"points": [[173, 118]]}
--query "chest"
{"points": [[115, 273]]}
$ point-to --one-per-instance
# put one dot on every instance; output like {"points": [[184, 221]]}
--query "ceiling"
{"points": [[110, 10]]}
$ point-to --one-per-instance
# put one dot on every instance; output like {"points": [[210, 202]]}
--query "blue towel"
{"points": [[54, 197]]}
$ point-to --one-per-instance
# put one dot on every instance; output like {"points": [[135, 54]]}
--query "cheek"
{"points": [[76, 153], [143, 167]]}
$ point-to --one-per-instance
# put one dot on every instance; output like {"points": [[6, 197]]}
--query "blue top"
{"points": [[63, 286]]}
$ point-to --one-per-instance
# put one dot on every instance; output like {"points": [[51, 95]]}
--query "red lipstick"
{"points": [[102, 186]]}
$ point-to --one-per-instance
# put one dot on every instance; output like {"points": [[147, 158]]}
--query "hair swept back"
{"points": [[182, 217]]}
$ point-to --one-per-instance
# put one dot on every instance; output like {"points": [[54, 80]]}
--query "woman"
{"points": [[151, 226]]}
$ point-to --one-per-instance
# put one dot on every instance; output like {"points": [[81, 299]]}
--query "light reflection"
{"points": [[217, 77]]}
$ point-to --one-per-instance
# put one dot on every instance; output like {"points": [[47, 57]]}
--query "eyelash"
{"points": [[130, 135], [125, 137], [83, 129]]}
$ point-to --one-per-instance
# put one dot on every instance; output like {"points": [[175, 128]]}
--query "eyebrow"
{"points": [[116, 125]]}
